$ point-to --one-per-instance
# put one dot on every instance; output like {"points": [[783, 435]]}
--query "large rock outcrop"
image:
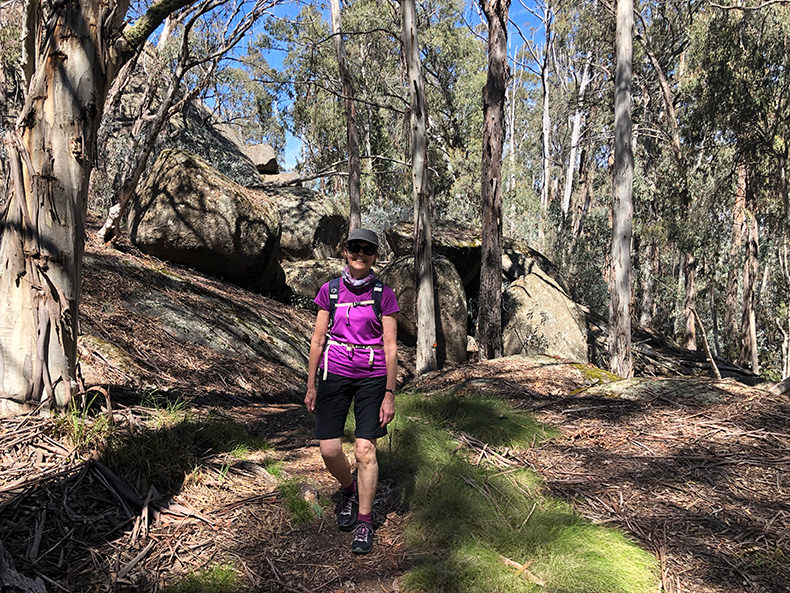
{"points": [[461, 244], [540, 318], [189, 213], [449, 291], [305, 277], [263, 157], [181, 309], [312, 227]]}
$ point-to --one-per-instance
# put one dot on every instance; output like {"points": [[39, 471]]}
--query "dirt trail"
{"points": [[695, 470]]}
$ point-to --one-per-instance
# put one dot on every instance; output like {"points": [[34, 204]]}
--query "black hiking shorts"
{"points": [[335, 394]]}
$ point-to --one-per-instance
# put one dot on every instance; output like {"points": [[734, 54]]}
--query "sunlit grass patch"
{"points": [[485, 417], [465, 515], [222, 578], [273, 466], [300, 511], [84, 425]]}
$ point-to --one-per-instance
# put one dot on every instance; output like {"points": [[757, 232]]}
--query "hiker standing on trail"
{"points": [[354, 346]]}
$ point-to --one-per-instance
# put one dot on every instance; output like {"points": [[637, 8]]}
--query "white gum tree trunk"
{"points": [[69, 64], [620, 358], [546, 121], [576, 132], [423, 194]]}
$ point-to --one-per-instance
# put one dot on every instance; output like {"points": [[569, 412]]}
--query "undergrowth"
{"points": [[173, 443], [84, 425], [465, 514], [300, 510]]}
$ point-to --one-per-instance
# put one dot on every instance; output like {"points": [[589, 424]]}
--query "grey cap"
{"points": [[364, 235]]}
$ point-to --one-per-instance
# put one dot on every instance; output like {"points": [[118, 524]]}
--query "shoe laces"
{"points": [[361, 532], [348, 507]]}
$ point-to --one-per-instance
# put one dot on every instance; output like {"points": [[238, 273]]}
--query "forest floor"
{"points": [[694, 470]]}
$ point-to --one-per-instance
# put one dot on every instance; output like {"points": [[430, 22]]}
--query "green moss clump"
{"points": [[594, 374], [222, 578]]}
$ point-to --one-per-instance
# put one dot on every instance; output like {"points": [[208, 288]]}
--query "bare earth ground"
{"points": [[694, 470]]}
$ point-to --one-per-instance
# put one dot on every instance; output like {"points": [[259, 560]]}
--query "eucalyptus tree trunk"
{"points": [[731, 325], [689, 303], [546, 122], [583, 206], [489, 320], [423, 263], [649, 270], [573, 160], [749, 354], [620, 359], [352, 132], [511, 125], [73, 51]]}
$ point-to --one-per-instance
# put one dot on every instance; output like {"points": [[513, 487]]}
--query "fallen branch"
{"points": [[125, 570], [705, 343], [522, 570]]}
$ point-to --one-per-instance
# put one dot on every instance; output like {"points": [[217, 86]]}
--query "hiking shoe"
{"points": [[347, 517], [363, 538]]}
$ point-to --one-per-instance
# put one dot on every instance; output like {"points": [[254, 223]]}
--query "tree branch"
{"points": [[749, 8], [135, 35]]}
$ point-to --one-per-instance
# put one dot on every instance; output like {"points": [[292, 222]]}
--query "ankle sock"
{"points": [[364, 518], [351, 488]]}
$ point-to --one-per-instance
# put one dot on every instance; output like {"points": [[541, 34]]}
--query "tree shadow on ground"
{"points": [[698, 472], [80, 527]]}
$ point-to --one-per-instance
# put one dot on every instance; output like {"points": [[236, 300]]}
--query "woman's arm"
{"points": [[390, 325], [316, 349]]}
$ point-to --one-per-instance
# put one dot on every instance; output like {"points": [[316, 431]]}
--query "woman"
{"points": [[354, 344]]}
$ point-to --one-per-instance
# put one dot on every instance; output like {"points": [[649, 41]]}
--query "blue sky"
{"points": [[518, 13]]}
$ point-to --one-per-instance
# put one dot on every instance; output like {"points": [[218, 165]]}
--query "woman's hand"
{"points": [[309, 399], [387, 410]]}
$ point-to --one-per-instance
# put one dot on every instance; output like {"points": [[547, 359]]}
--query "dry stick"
{"points": [[32, 553], [705, 343], [125, 570], [117, 483], [521, 569]]}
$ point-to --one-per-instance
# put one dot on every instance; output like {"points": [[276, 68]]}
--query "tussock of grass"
{"points": [[300, 511], [465, 515], [217, 579], [85, 425]]}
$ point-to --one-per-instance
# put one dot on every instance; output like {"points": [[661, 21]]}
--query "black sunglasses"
{"points": [[354, 247]]}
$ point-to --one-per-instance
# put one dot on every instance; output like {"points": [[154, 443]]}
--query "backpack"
{"points": [[334, 294]]}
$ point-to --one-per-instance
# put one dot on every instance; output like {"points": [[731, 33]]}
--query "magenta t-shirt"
{"points": [[356, 325]]}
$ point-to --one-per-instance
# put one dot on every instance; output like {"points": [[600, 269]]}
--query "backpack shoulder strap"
{"points": [[378, 288], [334, 294]]}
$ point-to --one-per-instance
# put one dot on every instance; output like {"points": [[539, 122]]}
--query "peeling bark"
{"points": [[70, 64]]}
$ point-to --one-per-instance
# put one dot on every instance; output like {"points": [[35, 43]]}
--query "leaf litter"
{"points": [[693, 469]]}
